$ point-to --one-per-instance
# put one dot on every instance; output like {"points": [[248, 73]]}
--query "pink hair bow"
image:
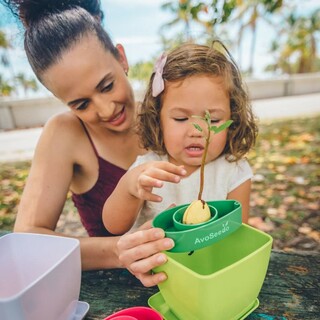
{"points": [[158, 83]]}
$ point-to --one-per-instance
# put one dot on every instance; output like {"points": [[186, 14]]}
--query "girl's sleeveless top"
{"points": [[90, 203]]}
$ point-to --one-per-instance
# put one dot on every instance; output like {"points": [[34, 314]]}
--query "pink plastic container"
{"points": [[136, 313], [124, 318]]}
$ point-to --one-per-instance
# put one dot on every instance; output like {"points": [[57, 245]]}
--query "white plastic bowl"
{"points": [[40, 277]]}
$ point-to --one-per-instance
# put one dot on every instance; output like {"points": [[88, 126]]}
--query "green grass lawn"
{"points": [[285, 198]]}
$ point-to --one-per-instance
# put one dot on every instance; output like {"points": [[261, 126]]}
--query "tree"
{"points": [[185, 12], [215, 18], [218, 14], [4, 43], [208, 15], [295, 49], [249, 12], [26, 83], [9, 86], [141, 71], [5, 87]]}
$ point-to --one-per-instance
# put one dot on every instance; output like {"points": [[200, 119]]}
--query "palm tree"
{"points": [[206, 14], [185, 12], [297, 49], [27, 84], [4, 43], [5, 88], [249, 13], [219, 12]]}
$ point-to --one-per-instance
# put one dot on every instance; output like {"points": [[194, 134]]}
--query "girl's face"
{"points": [[183, 99], [93, 83]]}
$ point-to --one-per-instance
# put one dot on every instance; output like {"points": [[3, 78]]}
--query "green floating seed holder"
{"points": [[226, 217]]}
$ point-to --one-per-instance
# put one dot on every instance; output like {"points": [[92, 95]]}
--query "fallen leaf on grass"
{"points": [[259, 223]]}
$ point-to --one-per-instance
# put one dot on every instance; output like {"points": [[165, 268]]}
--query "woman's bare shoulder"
{"points": [[63, 120], [63, 125], [62, 132]]}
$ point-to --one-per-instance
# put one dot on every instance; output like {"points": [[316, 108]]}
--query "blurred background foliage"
{"points": [[285, 198], [294, 48], [9, 86]]}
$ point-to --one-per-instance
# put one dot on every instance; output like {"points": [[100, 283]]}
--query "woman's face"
{"points": [[93, 83], [184, 99]]}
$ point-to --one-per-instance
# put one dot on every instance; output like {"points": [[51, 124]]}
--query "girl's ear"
{"points": [[123, 58]]}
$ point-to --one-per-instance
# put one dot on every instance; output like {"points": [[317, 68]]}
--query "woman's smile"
{"points": [[118, 118]]}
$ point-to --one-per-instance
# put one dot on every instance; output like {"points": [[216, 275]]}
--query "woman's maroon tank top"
{"points": [[90, 203]]}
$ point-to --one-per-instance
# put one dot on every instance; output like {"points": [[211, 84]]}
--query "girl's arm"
{"points": [[136, 186], [242, 194]]}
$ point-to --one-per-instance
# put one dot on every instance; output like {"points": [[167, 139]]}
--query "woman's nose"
{"points": [[104, 109]]}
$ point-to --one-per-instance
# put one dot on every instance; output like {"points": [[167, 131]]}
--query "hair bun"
{"points": [[30, 11]]}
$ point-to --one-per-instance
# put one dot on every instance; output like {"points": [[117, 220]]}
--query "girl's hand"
{"points": [[152, 175], [140, 252]]}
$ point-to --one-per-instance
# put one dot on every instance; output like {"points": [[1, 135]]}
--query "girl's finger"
{"points": [[146, 181], [146, 195], [162, 175]]}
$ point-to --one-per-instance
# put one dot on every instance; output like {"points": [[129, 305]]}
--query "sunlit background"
{"points": [[276, 44], [267, 38]]}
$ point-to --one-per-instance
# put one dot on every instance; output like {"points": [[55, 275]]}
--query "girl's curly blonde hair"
{"points": [[192, 59]]}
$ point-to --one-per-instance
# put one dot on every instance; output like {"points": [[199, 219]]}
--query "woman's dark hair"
{"points": [[54, 26]]}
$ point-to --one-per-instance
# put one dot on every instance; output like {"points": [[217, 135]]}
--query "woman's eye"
{"points": [[108, 87], [82, 106]]}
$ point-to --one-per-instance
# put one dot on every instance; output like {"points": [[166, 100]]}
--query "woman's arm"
{"points": [[136, 186], [48, 182], [44, 197], [242, 194], [46, 190]]}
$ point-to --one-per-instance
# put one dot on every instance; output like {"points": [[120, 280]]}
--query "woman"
{"points": [[87, 149]]}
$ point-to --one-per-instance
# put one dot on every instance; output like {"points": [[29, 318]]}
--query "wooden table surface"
{"points": [[291, 289]]}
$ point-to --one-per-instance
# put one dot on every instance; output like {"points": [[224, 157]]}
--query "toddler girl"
{"points": [[189, 81]]}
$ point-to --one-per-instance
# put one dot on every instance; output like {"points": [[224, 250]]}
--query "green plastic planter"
{"points": [[221, 281], [227, 220]]}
